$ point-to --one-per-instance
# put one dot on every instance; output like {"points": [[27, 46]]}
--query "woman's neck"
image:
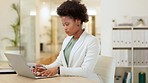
{"points": [[78, 34]]}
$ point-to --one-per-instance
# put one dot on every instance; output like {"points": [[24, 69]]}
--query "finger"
{"points": [[33, 70], [38, 65], [40, 69], [38, 73], [44, 74], [50, 74]]}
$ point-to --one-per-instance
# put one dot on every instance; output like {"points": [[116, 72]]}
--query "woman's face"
{"points": [[70, 25]]}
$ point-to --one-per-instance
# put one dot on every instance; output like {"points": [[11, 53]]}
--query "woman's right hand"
{"points": [[38, 69]]}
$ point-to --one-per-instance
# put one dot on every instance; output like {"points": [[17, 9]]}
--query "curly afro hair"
{"points": [[73, 9]]}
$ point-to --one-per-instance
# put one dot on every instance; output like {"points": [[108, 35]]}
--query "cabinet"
{"points": [[130, 50]]}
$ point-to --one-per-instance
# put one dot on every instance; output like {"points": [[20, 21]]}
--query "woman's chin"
{"points": [[69, 34]]}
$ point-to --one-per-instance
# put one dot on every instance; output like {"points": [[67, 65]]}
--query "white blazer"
{"points": [[82, 59]]}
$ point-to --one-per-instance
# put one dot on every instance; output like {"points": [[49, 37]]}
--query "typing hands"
{"points": [[40, 70]]}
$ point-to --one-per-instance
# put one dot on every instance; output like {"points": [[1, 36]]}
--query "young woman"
{"points": [[79, 52]]}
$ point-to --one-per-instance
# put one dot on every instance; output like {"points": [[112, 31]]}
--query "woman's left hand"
{"points": [[50, 72]]}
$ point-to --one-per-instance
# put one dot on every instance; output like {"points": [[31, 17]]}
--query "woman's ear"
{"points": [[78, 22]]}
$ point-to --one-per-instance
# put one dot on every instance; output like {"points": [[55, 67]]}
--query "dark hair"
{"points": [[73, 9]]}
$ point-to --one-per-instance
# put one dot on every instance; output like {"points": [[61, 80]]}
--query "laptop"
{"points": [[20, 66]]}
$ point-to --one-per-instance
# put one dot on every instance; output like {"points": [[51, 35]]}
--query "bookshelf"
{"points": [[130, 50]]}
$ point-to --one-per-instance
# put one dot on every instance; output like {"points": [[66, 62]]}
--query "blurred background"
{"points": [[32, 28]]}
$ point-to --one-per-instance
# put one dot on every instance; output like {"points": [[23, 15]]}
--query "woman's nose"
{"points": [[65, 28]]}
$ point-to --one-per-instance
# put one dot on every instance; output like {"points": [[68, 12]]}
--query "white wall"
{"points": [[7, 17], [117, 9]]}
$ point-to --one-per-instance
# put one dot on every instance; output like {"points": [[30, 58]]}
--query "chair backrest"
{"points": [[105, 68]]}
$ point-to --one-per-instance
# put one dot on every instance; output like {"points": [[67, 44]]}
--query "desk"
{"points": [[14, 78]]}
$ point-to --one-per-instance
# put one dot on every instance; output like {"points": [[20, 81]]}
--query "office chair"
{"points": [[105, 68]]}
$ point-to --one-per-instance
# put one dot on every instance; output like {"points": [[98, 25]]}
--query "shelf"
{"points": [[140, 27], [129, 27], [140, 48], [130, 56], [122, 47], [140, 66], [123, 27], [123, 66]]}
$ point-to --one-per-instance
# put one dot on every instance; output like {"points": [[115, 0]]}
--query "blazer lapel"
{"points": [[64, 46], [76, 46], [66, 42], [63, 60]]}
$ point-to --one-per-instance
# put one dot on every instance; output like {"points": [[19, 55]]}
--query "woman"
{"points": [[79, 52]]}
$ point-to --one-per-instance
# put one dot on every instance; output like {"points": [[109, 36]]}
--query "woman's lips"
{"points": [[67, 31]]}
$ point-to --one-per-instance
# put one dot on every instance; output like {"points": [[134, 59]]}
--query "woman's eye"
{"points": [[66, 24]]}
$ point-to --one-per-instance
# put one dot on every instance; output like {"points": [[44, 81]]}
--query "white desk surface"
{"points": [[14, 78]]}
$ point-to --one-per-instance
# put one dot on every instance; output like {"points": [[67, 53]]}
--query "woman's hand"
{"points": [[50, 72], [38, 69]]}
